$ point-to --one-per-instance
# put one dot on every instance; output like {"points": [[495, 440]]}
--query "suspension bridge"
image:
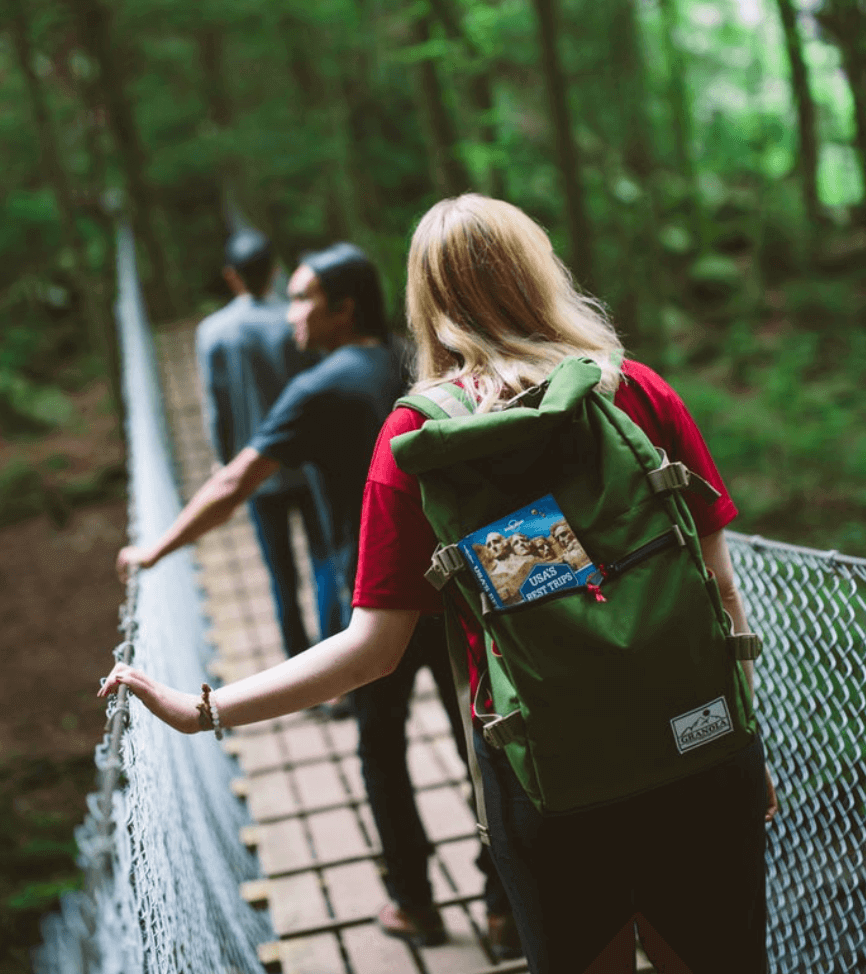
{"points": [[261, 854]]}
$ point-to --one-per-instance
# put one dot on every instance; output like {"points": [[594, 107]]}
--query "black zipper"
{"points": [[666, 540], [604, 573]]}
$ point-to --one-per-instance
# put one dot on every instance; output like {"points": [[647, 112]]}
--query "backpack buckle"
{"points": [[677, 476], [445, 563], [530, 397], [500, 731], [745, 645]]}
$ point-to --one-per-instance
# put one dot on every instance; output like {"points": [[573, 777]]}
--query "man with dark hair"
{"points": [[327, 416], [343, 271], [330, 417], [249, 263], [246, 355]]}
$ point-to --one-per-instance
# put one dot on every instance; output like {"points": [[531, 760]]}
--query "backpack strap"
{"points": [[445, 401], [617, 356], [671, 476], [457, 653]]}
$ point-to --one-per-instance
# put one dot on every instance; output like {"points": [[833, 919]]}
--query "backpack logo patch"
{"points": [[702, 725]]}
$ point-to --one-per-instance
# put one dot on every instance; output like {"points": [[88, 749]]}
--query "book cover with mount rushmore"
{"points": [[527, 555]]}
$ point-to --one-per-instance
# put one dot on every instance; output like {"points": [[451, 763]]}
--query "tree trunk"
{"points": [[808, 155], [567, 151], [449, 175], [845, 21], [221, 116], [343, 191], [94, 35], [480, 90], [681, 118], [101, 335], [630, 74], [210, 42], [358, 107], [638, 311]]}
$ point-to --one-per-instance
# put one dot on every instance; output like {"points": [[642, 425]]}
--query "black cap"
{"points": [[245, 247]]}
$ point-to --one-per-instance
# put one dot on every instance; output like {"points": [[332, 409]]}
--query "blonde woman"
{"points": [[492, 308]]}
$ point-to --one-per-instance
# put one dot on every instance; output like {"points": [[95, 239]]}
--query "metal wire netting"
{"points": [[810, 607], [161, 854]]}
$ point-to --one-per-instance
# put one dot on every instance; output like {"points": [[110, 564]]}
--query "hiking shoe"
{"points": [[502, 936], [423, 928]]}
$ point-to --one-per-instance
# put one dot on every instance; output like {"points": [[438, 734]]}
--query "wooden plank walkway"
{"points": [[313, 832]]}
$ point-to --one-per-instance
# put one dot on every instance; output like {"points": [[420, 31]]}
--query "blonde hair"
{"points": [[488, 301]]}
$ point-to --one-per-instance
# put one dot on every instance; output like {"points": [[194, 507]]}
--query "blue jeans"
{"points": [[270, 517], [381, 709], [688, 856]]}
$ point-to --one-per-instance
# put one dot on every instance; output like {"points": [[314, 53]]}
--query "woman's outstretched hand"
{"points": [[177, 709]]}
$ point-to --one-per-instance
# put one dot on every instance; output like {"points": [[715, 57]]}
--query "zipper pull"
{"points": [[594, 583]]}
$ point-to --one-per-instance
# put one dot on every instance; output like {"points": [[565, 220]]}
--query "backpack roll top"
{"points": [[607, 644], [451, 441]]}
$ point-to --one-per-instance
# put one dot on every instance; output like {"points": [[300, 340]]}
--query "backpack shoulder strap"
{"points": [[457, 650], [617, 357], [444, 401]]}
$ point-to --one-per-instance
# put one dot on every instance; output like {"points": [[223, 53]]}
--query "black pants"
{"points": [[688, 856], [270, 517], [382, 708]]}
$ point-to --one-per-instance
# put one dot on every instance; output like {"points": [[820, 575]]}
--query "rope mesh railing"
{"points": [[165, 862], [810, 606], [161, 853]]}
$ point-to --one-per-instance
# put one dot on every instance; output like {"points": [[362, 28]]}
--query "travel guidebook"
{"points": [[527, 555]]}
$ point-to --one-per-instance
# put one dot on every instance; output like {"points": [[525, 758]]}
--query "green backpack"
{"points": [[612, 666]]}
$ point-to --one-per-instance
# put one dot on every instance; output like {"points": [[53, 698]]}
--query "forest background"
{"points": [[700, 167]]}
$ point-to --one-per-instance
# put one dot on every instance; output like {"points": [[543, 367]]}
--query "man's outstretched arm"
{"points": [[213, 504]]}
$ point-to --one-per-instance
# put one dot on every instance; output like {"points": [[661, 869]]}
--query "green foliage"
{"points": [[676, 239], [26, 407], [41, 896], [715, 271], [824, 304], [28, 489], [792, 444], [688, 147], [37, 853], [28, 220]]}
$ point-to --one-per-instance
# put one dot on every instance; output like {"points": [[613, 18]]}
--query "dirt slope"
{"points": [[59, 602]]}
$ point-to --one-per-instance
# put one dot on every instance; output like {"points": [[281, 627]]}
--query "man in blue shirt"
{"points": [[330, 417], [246, 356]]}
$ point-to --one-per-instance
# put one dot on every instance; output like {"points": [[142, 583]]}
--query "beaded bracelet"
{"points": [[208, 715]]}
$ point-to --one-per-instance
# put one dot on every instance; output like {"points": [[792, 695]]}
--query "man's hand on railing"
{"points": [[132, 557], [178, 710]]}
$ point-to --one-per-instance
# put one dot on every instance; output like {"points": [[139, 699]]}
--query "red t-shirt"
{"points": [[397, 542]]}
